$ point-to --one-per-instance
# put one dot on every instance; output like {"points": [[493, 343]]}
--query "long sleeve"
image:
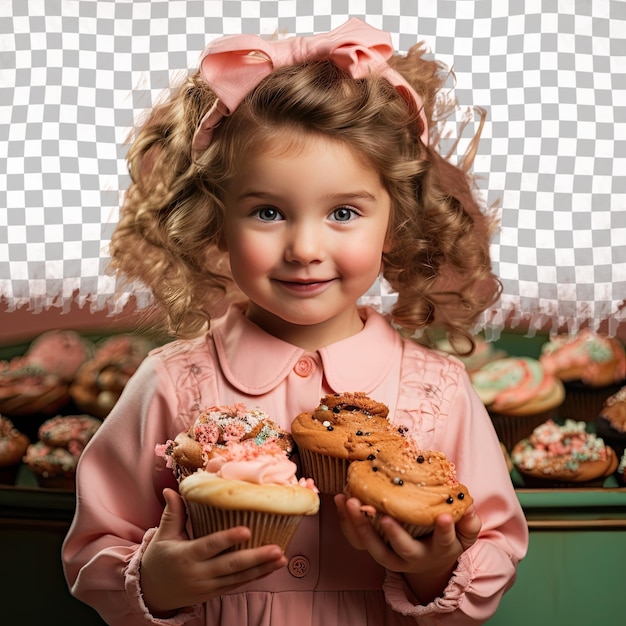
{"points": [[102, 551], [462, 429]]}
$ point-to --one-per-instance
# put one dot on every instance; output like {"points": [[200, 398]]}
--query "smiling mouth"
{"points": [[304, 286]]}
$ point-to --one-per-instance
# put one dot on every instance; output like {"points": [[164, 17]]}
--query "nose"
{"points": [[305, 243]]}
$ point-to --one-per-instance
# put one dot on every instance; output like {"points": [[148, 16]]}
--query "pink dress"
{"points": [[120, 480]]}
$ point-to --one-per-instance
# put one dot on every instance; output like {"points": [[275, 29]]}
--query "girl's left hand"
{"points": [[426, 562]]}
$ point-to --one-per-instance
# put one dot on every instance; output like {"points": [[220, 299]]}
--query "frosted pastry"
{"points": [[592, 368], [37, 383], [563, 455], [591, 358], [253, 485], [52, 466], [411, 485], [518, 394], [54, 457], [343, 428], [100, 381], [214, 428]]}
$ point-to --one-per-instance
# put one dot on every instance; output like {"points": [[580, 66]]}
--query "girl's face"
{"points": [[305, 229]]}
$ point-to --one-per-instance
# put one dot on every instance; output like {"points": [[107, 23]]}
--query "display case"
{"points": [[573, 573]]}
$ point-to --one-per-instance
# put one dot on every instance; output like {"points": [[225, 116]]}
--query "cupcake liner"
{"points": [[583, 403], [67, 483], [328, 472], [513, 428], [8, 474], [536, 482], [414, 530], [612, 437], [266, 528]]}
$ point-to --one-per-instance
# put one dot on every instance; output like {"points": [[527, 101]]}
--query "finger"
{"points": [[235, 568], [444, 534], [173, 518], [209, 546], [468, 528], [346, 524]]}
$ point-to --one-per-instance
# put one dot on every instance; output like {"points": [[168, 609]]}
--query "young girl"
{"points": [[302, 169]]}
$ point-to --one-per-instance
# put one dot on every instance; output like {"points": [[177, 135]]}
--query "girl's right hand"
{"points": [[177, 571]]}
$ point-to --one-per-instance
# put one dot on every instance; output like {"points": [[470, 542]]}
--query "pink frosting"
{"points": [[586, 350], [59, 352], [263, 465]]}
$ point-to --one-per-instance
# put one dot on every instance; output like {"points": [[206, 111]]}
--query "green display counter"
{"points": [[572, 576]]}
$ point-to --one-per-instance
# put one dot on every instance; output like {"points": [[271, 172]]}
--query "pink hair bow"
{"points": [[234, 65]]}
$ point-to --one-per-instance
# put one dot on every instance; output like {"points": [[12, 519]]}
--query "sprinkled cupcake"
{"points": [[36, 385], [413, 486], [213, 430], [343, 428], [249, 484], [54, 457], [100, 381], [592, 368], [563, 456], [519, 395], [233, 466]]}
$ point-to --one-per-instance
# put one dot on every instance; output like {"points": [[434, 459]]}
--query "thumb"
{"points": [[468, 528], [172, 524]]}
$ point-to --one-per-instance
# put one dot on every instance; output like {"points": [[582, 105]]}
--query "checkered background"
{"points": [[76, 75]]}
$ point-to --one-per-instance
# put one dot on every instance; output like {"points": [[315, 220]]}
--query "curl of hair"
{"points": [[169, 235]]}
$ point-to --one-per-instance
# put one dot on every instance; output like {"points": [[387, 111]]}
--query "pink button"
{"points": [[299, 566], [304, 366]]}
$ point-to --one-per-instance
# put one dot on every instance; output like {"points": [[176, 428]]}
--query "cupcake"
{"points": [[100, 381], [36, 385], [413, 486], [343, 428], [592, 368], [211, 432], [611, 423], [519, 395], [13, 445], [54, 457], [249, 484], [563, 456]]}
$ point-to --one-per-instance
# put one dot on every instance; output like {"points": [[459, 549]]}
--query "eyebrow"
{"points": [[360, 194]]}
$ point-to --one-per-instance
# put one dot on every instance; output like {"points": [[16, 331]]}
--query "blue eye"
{"points": [[268, 214], [343, 214]]}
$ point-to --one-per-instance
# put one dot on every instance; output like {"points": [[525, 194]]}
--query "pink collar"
{"points": [[255, 362]]}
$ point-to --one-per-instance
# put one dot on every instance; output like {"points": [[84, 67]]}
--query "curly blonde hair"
{"points": [[170, 231]]}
